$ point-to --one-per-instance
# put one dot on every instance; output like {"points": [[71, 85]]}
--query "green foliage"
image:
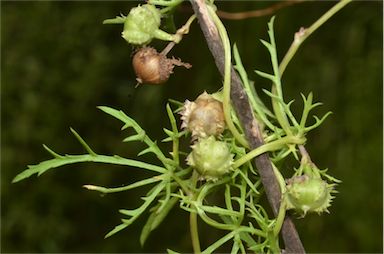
{"points": [[174, 182], [159, 201]]}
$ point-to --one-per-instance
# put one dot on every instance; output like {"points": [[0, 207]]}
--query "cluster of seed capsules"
{"points": [[141, 26], [204, 118]]}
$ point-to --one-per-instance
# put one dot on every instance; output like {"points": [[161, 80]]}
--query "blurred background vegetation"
{"points": [[59, 62]]}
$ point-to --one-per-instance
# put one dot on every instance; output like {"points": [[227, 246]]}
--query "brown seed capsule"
{"points": [[203, 117], [152, 67]]}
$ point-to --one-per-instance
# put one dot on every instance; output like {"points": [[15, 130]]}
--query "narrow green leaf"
{"points": [[314, 105], [127, 212], [170, 114], [265, 75], [115, 230], [273, 96], [318, 122], [139, 211], [169, 251], [124, 188], [130, 122], [290, 103], [266, 44], [249, 183], [219, 242], [169, 139], [168, 132], [161, 214], [126, 126], [56, 155], [213, 222], [247, 238], [117, 20], [71, 159], [138, 137], [178, 135], [145, 151], [118, 114], [218, 210], [235, 247], [83, 143], [155, 219], [304, 98], [179, 104]]}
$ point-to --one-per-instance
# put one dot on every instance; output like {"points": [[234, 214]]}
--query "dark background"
{"points": [[59, 62]]}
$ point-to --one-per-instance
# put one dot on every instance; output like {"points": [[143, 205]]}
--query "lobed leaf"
{"points": [[135, 213], [71, 159], [156, 217], [129, 122]]}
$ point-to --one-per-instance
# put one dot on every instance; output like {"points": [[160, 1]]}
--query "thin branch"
{"points": [[251, 126], [180, 32], [257, 13], [304, 33]]}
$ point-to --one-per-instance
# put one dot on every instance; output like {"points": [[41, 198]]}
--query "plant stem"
{"points": [[272, 146], [279, 219], [227, 78], [193, 217], [303, 33], [194, 232], [180, 32]]}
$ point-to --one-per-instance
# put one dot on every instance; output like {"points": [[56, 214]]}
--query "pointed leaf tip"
{"points": [[115, 230]]}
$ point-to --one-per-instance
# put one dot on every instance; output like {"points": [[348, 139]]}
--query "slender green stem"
{"points": [[303, 34], [279, 177], [231, 235], [273, 243], [194, 232], [281, 215], [273, 146], [278, 101], [193, 216], [185, 28], [280, 218], [227, 78], [280, 113], [181, 183]]}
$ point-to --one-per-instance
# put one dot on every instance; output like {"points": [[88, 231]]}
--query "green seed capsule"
{"points": [[142, 25], [308, 194], [211, 158]]}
